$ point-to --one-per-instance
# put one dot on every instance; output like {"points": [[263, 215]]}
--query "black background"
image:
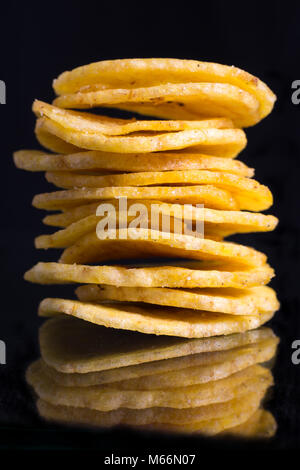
{"points": [[40, 40]]}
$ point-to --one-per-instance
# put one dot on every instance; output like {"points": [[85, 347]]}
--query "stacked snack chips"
{"points": [[145, 205]]}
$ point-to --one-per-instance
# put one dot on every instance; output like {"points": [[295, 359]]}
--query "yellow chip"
{"points": [[226, 300], [222, 142], [136, 73], [248, 193], [182, 371], [34, 160], [155, 320], [77, 347], [211, 196], [143, 243], [106, 398], [212, 416], [186, 274], [223, 222], [237, 222], [93, 132], [173, 101], [52, 142], [93, 123]]}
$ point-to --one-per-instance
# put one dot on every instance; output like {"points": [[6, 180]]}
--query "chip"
{"points": [[87, 122], [143, 243], [211, 196], [248, 193], [106, 398], [223, 142], [173, 101], [226, 300], [224, 223], [34, 160], [75, 347], [137, 73], [180, 274], [187, 370], [52, 142], [238, 222], [169, 321]]}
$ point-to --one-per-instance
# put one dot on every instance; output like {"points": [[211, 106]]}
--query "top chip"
{"points": [[137, 73]]}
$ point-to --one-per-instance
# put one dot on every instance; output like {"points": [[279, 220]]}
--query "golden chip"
{"points": [[136, 73], [180, 274], [87, 122], [211, 196], [34, 160], [143, 243], [173, 101], [155, 320], [226, 300]]}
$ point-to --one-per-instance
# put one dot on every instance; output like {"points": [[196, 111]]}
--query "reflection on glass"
{"points": [[95, 376]]}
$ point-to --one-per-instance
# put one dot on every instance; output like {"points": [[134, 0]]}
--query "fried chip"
{"points": [[173, 101], [187, 370], [106, 398], [34, 160], [169, 321], [216, 224], [87, 122], [226, 300], [180, 274], [223, 222], [143, 243], [223, 142], [212, 413], [248, 193], [75, 347], [137, 73], [211, 196]]}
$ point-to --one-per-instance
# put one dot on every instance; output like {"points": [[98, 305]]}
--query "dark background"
{"points": [[40, 40]]}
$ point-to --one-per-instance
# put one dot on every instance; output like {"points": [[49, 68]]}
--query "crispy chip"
{"points": [[227, 300], [75, 347], [87, 122], [106, 398], [182, 274], [223, 142], [155, 320], [211, 196], [224, 222], [210, 416], [34, 160], [216, 224], [173, 101], [143, 243], [248, 193], [196, 368], [52, 142], [136, 73]]}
